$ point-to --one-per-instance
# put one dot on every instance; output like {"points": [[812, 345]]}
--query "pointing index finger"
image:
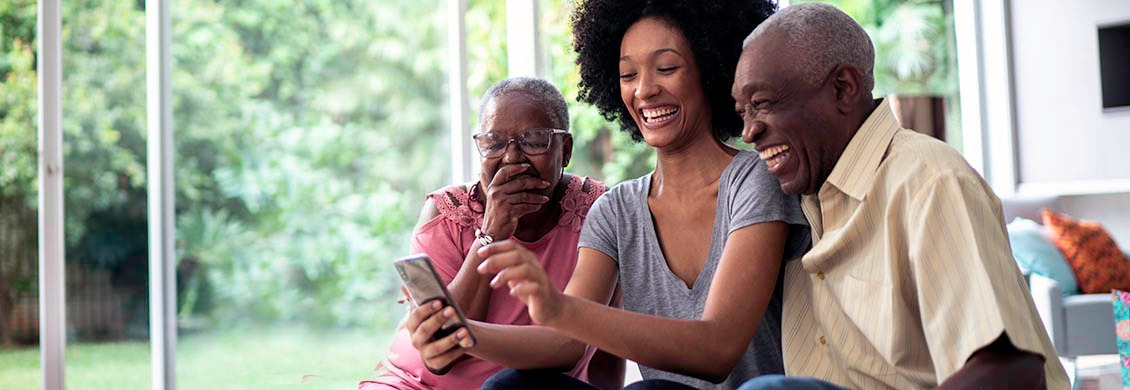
{"points": [[496, 248], [486, 252]]}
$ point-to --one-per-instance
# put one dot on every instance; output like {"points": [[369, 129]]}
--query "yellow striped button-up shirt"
{"points": [[910, 272]]}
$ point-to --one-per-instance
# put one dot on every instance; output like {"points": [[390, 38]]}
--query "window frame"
{"points": [[52, 293]]}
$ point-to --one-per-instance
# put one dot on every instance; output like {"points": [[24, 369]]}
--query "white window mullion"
{"points": [[52, 273], [162, 261], [967, 26], [985, 74], [523, 46], [998, 111], [462, 156]]}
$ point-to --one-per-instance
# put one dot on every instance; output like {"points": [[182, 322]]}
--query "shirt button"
{"points": [[820, 275], [822, 340]]}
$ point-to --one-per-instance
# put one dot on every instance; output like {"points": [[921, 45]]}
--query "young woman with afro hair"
{"points": [[695, 248]]}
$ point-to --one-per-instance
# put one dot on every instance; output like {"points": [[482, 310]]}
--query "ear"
{"points": [[566, 150], [847, 82]]}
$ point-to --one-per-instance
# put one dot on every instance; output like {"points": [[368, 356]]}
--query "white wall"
{"points": [[1112, 210], [1062, 132]]}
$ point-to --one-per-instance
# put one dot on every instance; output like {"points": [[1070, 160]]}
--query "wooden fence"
{"points": [[96, 309]]}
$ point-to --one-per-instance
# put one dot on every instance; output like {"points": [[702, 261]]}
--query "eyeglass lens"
{"points": [[530, 142]]}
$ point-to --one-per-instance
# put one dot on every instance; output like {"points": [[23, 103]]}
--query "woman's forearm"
{"points": [[470, 289], [525, 346], [700, 348], [707, 348]]}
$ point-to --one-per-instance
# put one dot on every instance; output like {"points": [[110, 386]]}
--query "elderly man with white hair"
{"points": [[910, 282]]}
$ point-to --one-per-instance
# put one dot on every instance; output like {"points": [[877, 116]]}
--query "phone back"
{"points": [[424, 285], [421, 280]]}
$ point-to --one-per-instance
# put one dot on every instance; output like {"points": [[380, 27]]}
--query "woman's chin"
{"points": [[674, 135], [658, 139]]}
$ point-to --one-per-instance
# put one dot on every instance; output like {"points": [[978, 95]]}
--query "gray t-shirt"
{"points": [[620, 225]]}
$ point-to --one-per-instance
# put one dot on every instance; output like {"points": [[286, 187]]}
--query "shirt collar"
{"points": [[855, 170]]}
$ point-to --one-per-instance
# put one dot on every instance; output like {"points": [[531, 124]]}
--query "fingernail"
{"points": [[436, 305], [450, 312], [461, 333], [544, 183]]}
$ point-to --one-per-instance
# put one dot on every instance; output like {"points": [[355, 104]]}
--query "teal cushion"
{"points": [[1035, 253]]}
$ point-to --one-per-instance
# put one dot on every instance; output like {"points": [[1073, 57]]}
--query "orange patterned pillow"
{"points": [[1098, 263]]}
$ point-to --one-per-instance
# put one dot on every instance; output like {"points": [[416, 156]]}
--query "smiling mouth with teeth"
{"points": [[656, 115], [774, 155]]}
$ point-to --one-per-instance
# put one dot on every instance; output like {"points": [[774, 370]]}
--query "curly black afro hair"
{"points": [[715, 30]]}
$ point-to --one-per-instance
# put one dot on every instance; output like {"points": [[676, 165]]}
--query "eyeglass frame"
{"points": [[505, 148]]}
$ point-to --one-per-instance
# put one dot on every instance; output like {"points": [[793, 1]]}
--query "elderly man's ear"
{"points": [[567, 150], [848, 85]]}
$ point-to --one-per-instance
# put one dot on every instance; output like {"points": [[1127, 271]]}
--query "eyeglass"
{"points": [[530, 142]]}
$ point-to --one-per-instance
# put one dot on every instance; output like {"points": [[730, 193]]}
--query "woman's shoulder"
{"points": [[583, 187], [580, 194], [746, 159], [457, 204], [624, 197], [630, 189], [748, 169], [451, 197]]}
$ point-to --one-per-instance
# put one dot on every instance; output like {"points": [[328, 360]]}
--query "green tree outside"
{"points": [[306, 135]]}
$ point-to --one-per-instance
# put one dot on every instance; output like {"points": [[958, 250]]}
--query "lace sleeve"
{"points": [[447, 238], [454, 204], [579, 196]]}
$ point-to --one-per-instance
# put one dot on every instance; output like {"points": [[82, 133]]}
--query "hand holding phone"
{"points": [[424, 287]]}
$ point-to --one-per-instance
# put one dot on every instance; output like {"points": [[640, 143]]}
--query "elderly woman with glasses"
{"points": [[522, 195]]}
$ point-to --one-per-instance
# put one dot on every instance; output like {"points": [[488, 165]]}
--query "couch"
{"points": [[1078, 324]]}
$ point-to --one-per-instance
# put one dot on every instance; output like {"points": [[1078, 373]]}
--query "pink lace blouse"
{"points": [[446, 239]]}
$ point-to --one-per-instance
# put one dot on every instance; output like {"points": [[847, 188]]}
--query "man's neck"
{"points": [[866, 109]]}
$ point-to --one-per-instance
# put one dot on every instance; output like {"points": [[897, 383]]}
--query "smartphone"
{"points": [[424, 285]]}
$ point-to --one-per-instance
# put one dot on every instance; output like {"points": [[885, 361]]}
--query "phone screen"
{"points": [[425, 285]]}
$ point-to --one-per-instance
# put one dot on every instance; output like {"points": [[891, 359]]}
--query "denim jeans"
{"points": [[776, 382]]}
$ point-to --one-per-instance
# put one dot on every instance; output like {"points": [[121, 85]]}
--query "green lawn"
{"points": [[236, 358]]}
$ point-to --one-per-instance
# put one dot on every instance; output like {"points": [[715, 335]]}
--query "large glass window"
{"points": [[307, 134], [106, 273], [487, 55], [19, 304]]}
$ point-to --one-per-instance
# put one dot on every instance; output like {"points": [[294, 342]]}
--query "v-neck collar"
{"points": [[652, 236]]}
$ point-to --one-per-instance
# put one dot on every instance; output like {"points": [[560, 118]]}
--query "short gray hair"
{"points": [[823, 37], [542, 92]]}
